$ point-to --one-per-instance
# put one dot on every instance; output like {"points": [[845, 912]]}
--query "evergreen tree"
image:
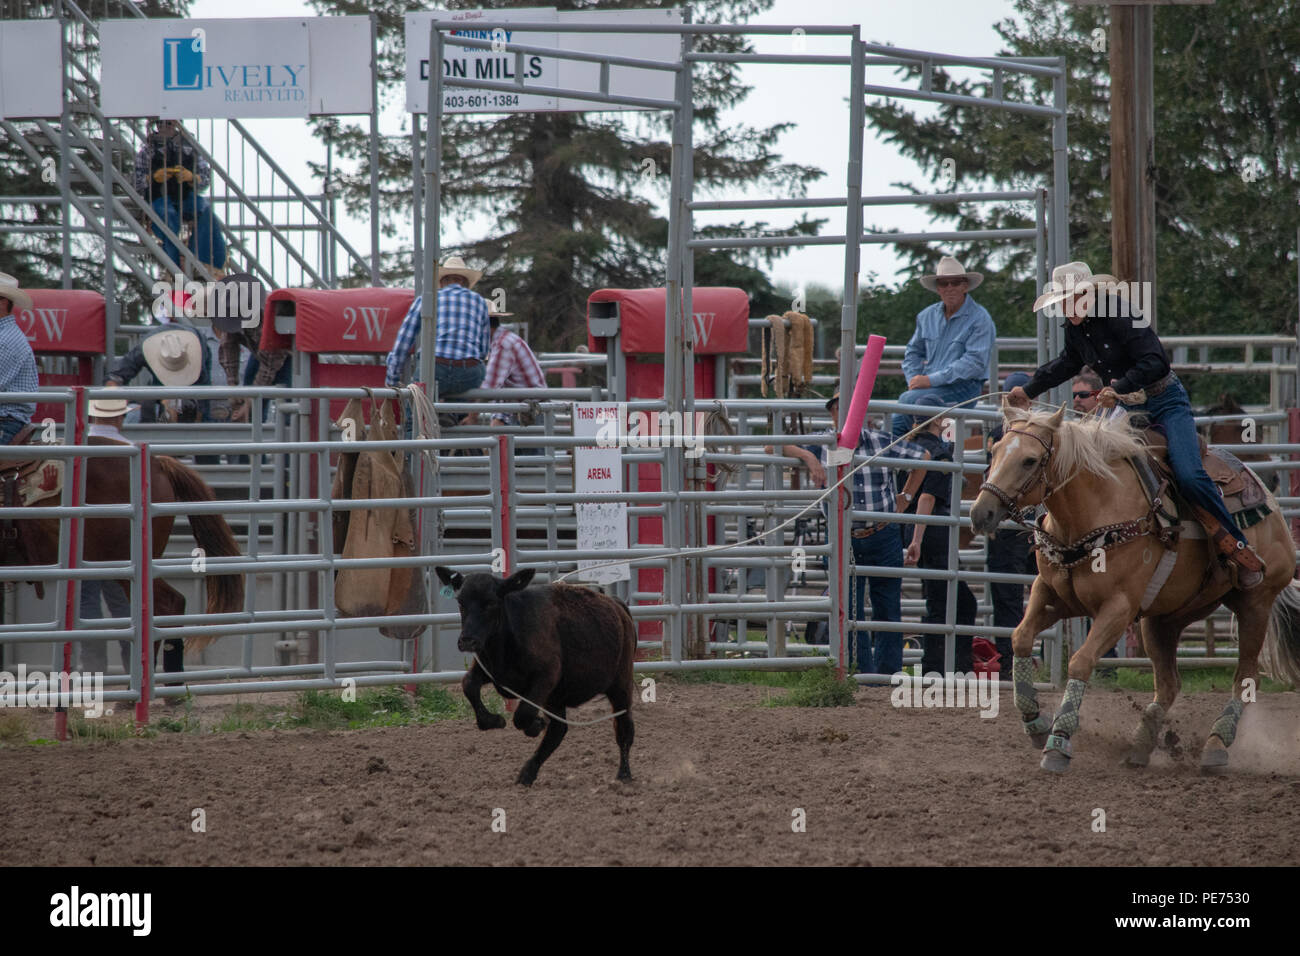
{"points": [[572, 211], [1227, 107]]}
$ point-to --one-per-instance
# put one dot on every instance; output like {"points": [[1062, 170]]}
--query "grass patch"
{"points": [[381, 707], [818, 687], [14, 728], [1209, 680]]}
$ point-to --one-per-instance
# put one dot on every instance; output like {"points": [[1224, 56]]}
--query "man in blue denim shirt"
{"points": [[948, 356]]}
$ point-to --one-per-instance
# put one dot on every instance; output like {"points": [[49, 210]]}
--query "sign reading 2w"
{"points": [[207, 68]]}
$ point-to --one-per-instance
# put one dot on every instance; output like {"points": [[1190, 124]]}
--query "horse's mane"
{"points": [[1093, 443]]}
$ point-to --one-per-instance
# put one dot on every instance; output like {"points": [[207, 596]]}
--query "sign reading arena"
{"points": [[235, 68], [500, 64]]}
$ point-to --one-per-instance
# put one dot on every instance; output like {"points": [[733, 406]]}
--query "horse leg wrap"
{"points": [[1152, 718], [1067, 718], [1057, 742], [1225, 728], [1022, 675]]}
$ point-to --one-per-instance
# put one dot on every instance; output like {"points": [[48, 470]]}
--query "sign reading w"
{"points": [[704, 327]]}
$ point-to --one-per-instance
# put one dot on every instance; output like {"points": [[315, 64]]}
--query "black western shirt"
{"points": [[1125, 355]]}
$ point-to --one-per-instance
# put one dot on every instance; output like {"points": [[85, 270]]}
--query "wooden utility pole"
{"points": [[1132, 142]]}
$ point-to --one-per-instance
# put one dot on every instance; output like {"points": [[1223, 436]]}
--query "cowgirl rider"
{"points": [[1129, 356]]}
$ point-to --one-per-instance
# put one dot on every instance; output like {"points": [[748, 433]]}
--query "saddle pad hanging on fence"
{"points": [[376, 532]]}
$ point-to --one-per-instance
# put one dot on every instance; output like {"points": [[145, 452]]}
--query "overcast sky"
{"points": [[813, 96]]}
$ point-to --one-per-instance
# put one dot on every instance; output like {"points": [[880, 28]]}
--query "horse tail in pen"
{"points": [[1281, 657], [225, 591]]}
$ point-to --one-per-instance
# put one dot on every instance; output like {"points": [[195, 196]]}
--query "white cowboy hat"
{"points": [[175, 356], [107, 407], [9, 290], [1068, 280], [950, 268], [455, 266]]}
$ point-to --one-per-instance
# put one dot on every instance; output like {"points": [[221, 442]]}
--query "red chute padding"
{"points": [[721, 317], [338, 320], [64, 322]]}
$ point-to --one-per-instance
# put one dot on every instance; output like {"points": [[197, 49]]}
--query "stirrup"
{"points": [[1246, 567]]}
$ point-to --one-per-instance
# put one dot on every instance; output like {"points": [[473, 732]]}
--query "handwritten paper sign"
{"points": [[602, 525]]}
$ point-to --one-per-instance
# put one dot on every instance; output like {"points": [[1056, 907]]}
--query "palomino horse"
{"points": [[107, 481], [1235, 433], [1071, 467]]}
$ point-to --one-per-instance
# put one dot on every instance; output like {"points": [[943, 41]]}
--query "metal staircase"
{"points": [[273, 228]]}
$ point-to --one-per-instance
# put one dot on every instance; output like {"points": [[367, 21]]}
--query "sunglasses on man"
{"points": [[1087, 394], [949, 283]]}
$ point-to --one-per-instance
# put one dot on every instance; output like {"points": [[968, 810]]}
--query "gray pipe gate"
{"points": [[522, 508]]}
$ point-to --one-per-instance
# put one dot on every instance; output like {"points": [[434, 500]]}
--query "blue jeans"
{"points": [[94, 654], [1173, 410], [949, 394], [454, 379], [206, 241], [9, 428], [883, 549]]}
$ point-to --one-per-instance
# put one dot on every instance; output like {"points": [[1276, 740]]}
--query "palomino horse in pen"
{"points": [[107, 481], [1108, 550]]}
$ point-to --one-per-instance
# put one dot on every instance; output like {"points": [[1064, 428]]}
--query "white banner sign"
{"points": [[31, 69], [499, 64], [192, 69], [602, 525]]}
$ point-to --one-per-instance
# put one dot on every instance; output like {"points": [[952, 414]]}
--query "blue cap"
{"points": [[1015, 379], [931, 400]]}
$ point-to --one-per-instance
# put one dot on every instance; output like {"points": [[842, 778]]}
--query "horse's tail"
{"points": [[225, 591], [1281, 657]]}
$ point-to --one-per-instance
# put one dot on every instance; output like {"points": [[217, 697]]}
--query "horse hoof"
{"points": [[1055, 761], [625, 776], [526, 777], [495, 722], [535, 728], [1137, 759], [1214, 760]]}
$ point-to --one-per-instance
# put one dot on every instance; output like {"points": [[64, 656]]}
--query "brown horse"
{"points": [[107, 481], [1101, 511]]}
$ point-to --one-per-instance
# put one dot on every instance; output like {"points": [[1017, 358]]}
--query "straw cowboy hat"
{"points": [[9, 290], [175, 356], [495, 313], [1068, 280], [455, 266], [108, 407], [950, 268]]}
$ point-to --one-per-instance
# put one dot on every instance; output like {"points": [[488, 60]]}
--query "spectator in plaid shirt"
{"points": [[17, 362], [170, 174], [511, 363], [875, 544], [462, 340]]}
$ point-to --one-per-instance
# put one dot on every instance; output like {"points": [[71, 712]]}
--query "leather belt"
{"points": [[1155, 388], [459, 363], [866, 531]]}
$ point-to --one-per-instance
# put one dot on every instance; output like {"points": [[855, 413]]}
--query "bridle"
{"points": [[1040, 471]]}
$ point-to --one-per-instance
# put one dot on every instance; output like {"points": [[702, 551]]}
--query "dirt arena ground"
{"points": [[718, 778]]}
